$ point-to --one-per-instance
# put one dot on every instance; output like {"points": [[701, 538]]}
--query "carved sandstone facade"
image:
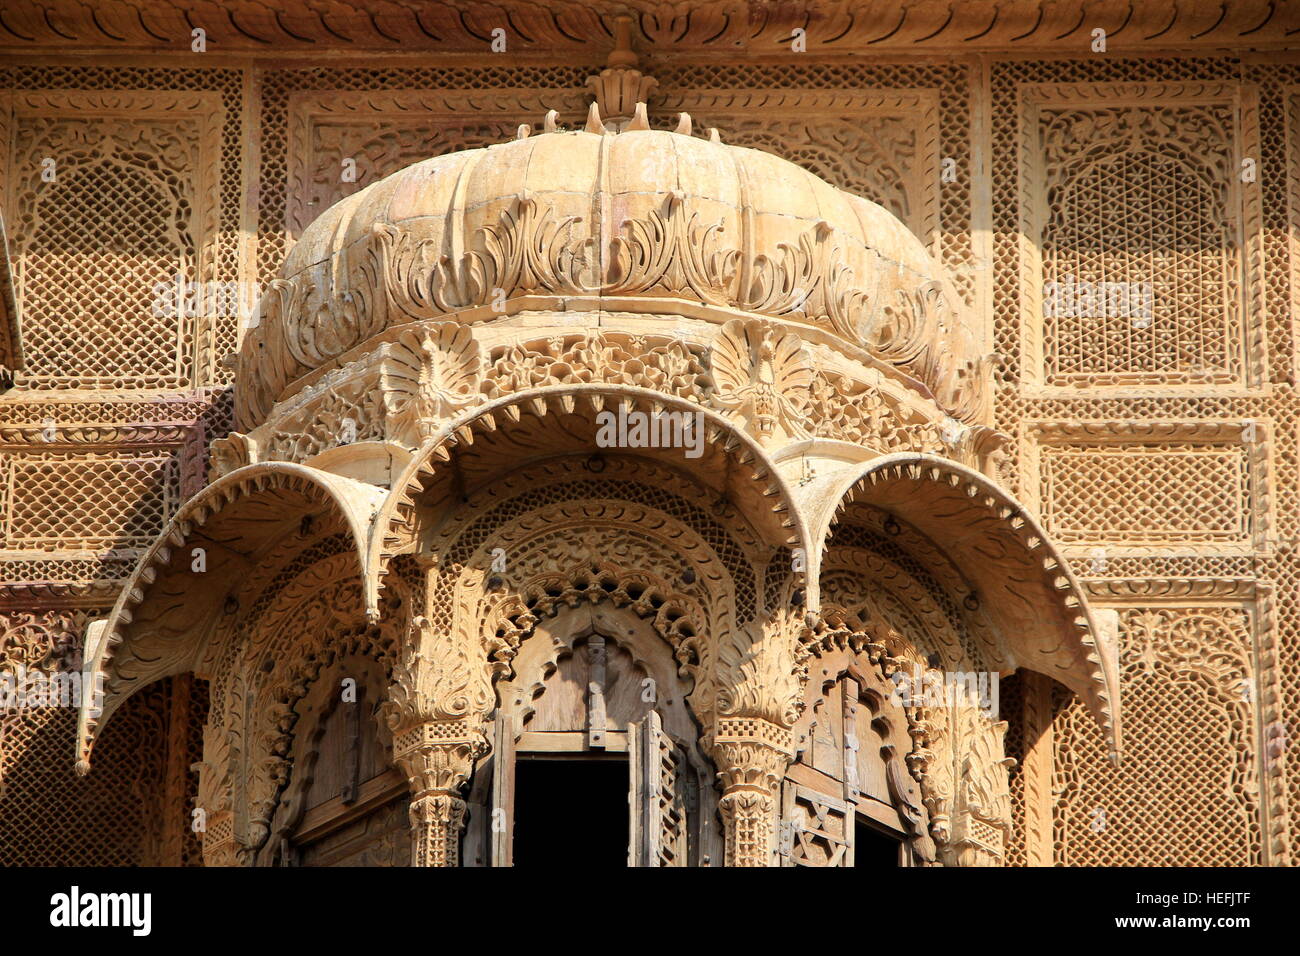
{"points": [[676, 440]]}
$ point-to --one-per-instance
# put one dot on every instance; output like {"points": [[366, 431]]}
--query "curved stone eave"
{"points": [[953, 494], [111, 642], [387, 538]]}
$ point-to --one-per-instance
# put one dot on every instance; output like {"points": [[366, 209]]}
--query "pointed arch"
{"points": [[161, 621], [551, 420], [1022, 584]]}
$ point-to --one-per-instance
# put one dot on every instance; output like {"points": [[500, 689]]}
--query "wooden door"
{"points": [[344, 804], [664, 798]]}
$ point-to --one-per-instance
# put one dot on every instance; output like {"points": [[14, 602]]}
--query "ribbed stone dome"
{"points": [[641, 220]]}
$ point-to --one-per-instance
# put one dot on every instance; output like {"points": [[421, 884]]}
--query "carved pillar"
{"points": [[982, 809], [751, 755], [437, 708], [213, 813], [437, 757], [174, 809], [931, 763], [1037, 771]]}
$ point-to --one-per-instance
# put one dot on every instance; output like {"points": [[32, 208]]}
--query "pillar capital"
{"points": [[751, 754], [438, 757]]}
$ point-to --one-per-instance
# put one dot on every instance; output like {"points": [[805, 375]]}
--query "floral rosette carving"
{"points": [[665, 365], [46, 640]]}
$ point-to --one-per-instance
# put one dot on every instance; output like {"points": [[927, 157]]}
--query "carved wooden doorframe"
{"points": [[672, 807], [344, 697]]}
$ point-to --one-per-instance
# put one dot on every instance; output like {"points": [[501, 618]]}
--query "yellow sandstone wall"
{"points": [[1155, 420]]}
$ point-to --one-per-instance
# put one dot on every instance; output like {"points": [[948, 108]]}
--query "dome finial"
{"points": [[594, 125], [622, 56], [621, 86]]}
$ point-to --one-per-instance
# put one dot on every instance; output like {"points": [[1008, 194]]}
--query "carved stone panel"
{"points": [[1142, 237], [79, 502], [1201, 687], [1107, 489], [113, 199], [1147, 505]]}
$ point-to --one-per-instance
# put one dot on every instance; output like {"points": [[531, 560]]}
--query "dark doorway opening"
{"points": [[571, 810], [875, 848]]}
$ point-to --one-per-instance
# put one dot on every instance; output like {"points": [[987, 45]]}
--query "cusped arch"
{"points": [[557, 634], [837, 656], [553, 570], [899, 610], [553, 420], [169, 605], [1023, 586]]}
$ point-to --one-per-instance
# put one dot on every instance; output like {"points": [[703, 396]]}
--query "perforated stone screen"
{"points": [[1130, 411], [1129, 494], [90, 501]]}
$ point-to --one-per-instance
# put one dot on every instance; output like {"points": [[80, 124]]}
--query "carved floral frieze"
{"points": [[657, 362], [677, 249], [763, 375]]}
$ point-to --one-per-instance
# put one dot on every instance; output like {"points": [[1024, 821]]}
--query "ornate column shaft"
{"points": [[215, 803], [437, 706], [751, 755], [438, 757]]}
